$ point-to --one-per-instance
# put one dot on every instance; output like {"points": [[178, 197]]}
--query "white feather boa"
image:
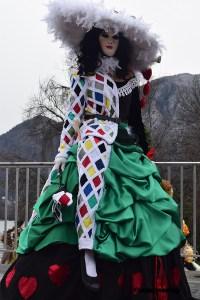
{"points": [[108, 65], [70, 20]]}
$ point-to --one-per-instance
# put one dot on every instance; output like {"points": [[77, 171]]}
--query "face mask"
{"points": [[109, 43]]}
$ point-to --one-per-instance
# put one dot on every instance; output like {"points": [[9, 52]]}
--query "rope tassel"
{"points": [[146, 88], [60, 199]]}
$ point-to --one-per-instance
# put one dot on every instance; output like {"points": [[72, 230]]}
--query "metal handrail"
{"points": [[46, 165]]}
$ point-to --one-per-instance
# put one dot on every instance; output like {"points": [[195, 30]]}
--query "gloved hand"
{"points": [[60, 163]]}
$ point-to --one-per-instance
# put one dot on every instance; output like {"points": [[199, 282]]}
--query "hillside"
{"points": [[172, 117]]}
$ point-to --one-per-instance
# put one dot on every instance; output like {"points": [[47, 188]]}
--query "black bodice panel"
{"points": [[130, 111]]}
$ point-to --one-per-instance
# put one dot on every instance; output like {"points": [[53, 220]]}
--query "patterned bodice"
{"points": [[96, 94]]}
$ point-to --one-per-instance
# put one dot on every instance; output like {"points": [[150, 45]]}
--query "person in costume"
{"points": [[103, 196], [92, 117]]}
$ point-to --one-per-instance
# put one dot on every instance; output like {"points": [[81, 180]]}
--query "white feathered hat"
{"points": [[70, 20]]}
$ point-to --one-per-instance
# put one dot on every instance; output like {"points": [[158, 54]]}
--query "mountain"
{"points": [[172, 117], [36, 139]]}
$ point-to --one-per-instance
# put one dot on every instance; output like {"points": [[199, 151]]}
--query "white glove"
{"points": [[60, 163]]}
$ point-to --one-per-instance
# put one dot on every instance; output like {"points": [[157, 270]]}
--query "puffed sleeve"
{"points": [[135, 119], [73, 116]]}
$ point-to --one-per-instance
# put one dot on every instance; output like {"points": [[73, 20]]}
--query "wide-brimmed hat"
{"points": [[70, 20]]}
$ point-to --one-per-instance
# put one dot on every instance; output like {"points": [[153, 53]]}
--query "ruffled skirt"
{"points": [[137, 239]]}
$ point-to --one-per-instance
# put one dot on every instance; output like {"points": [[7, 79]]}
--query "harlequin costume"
{"points": [[136, 233]]}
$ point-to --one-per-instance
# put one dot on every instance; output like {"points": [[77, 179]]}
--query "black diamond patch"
{"points": [[110, 84], [66, 124], [83, 179], [99, 108], [77, 90], [102, 148]]}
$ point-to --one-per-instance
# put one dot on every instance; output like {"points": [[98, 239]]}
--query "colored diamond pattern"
{"points": [[99, 97], [86, 162], [89, 93], [81, 154], [110, 84], [99, 86], [90, 180], [71, 131], [107, 103], [83, 179], [92, 202], [82, 100], [90, 103], [102, 148], [88, 145], [101, 131], [77, 90], [82, 82], [91, 171], [66, 139], [99, 108], [96, 181], [99, 164], [71, 116], [90, 232], [77, 220], [88, 131], [66, 124], [77, 108], [73, 82], [99, 77], [88, 189], [83, 210], [80, 231], [97, 140], [87, 222], [94, 126]]}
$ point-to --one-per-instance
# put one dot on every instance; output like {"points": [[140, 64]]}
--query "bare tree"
{"points": [[50, 101], [156, 130], [188, 118]]}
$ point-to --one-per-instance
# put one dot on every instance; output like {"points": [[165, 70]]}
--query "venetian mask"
{"points": [[109, 43]]}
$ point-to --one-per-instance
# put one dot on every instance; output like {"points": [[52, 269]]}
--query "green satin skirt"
{"points": [[135, 217]]}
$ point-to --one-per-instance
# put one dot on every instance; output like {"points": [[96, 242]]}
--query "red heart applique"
{"points": [[120, 281], [58, 274], [147, 73], [137, 281], [27, 286], [9, 277]]}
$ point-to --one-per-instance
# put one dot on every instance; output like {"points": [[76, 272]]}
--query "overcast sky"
{"points": [[28, 53]]}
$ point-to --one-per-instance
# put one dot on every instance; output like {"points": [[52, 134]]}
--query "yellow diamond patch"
{"points": [[87, 222], [88, 145], [62, 146], [91, 171], [107, 103]]}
